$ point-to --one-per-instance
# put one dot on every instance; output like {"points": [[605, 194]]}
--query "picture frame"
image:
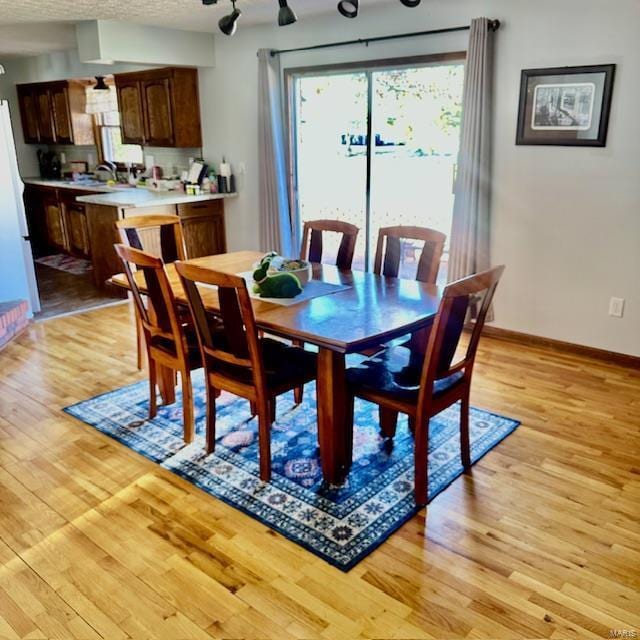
{"points": [[566, 106]]}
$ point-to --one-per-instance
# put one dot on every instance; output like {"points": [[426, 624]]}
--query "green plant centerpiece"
{"points": [[275, 285]]}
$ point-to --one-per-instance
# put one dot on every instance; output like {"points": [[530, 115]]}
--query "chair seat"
{"points": [[285, 366], [392, 373], [193, 348]]}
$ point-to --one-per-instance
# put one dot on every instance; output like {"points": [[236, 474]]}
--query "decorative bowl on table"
{"points": [[299, 268]]}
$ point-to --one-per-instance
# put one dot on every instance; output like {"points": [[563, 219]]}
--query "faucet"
{"points": [[110, 167]]}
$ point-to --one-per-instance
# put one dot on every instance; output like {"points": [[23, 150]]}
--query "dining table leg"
{"points": [[335, 429]]}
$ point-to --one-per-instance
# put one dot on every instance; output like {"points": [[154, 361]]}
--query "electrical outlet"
{"points": [[616, 307]]}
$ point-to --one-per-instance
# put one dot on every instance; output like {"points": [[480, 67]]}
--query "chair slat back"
{"points": [[241, 345], [312, 241], [389, 251], [162, 318], [476, 290], [159, 235]]}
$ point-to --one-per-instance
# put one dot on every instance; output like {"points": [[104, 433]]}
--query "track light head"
{"points": [[229, 24], [348, 8], [410, 3], [285, 14]]}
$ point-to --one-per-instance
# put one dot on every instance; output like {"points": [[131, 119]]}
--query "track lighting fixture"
{"points": [[285, 15], [229, 24], [348, 8]]}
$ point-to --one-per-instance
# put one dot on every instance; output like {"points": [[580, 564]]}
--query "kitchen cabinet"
{"points": [[75, 222], [54, 112], [130, 106], [160, 107], [59, 96], [29, 113], [56, 236], [44, 114], [156, 98], [78, 233], [203, 228], [56, 222]]}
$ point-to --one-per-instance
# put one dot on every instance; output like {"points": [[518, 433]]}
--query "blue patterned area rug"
{"points": [[341, 525]]}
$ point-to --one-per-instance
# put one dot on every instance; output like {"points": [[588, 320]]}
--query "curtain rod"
{"points": [[494, 25]]}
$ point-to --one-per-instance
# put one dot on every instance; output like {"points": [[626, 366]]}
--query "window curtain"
{"points": [[470, 232], [276, 232]]}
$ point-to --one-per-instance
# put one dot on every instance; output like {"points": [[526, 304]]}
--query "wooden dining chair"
{"points": [[388, 258], [159, 235], [401, 380], [171, 344], [237, 359], [312, 241], [390, 246], [312, 250]]}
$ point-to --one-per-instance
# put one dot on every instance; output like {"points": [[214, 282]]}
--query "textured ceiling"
{"points": [[181, 14], [26, 25]]}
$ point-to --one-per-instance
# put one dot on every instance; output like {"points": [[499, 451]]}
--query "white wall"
{"points": [[566, 221]]}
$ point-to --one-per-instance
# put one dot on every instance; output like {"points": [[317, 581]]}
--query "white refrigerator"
{"points": [[18, 281]]}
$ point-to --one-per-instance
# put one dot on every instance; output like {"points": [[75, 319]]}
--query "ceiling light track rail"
{"points": [[494, 25]]}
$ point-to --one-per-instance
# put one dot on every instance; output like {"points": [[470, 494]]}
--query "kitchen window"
{"points": [[110, 141]]}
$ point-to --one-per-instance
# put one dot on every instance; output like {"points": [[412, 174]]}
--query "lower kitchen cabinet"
{"points": [[203, 228], [58, 223], [56, 236], [77, 231]]}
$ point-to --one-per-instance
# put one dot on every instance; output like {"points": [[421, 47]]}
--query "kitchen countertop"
{"points": [[76, 186], [132, 198], [126, 197]]}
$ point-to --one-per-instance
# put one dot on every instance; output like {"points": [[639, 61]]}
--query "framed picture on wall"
{"points": [[566, 106]]}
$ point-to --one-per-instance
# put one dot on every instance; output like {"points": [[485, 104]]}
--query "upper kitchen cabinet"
{"points": [[130, 107], [160, 107], [29, 113], [54, 112]]}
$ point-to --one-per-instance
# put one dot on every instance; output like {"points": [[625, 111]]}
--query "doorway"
{"points": [[377, 146]]}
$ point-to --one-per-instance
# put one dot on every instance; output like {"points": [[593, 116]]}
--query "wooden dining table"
{"points": [[372, 310]]}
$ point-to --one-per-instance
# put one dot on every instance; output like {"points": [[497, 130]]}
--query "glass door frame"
{"points": [[363, 66]]}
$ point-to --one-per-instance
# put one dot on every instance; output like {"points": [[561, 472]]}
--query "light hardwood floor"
{"points": [[542, 540]]}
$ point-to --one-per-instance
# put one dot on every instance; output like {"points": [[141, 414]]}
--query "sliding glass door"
{"points": [[377, 147]]}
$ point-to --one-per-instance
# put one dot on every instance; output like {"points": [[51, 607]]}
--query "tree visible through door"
{"points": [[403, 175]]}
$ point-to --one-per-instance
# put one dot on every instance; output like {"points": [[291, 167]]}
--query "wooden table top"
{"points": [[372, 310]]}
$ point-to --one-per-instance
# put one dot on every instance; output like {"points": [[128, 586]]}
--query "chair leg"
{"points": [[211, 419], [298, 392], [140, 344], [264, 438], [421, 464], [388, 421], [272, 409], [412, 424], [187, 407], [153, 381], [465, 447], [254, 408]]}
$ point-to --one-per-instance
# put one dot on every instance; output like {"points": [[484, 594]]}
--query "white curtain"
{"points": [[470, 233], [276, 232]]}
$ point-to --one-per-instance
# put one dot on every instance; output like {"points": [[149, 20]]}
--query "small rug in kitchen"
{"points": [[341, 525], [76, 266]]}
